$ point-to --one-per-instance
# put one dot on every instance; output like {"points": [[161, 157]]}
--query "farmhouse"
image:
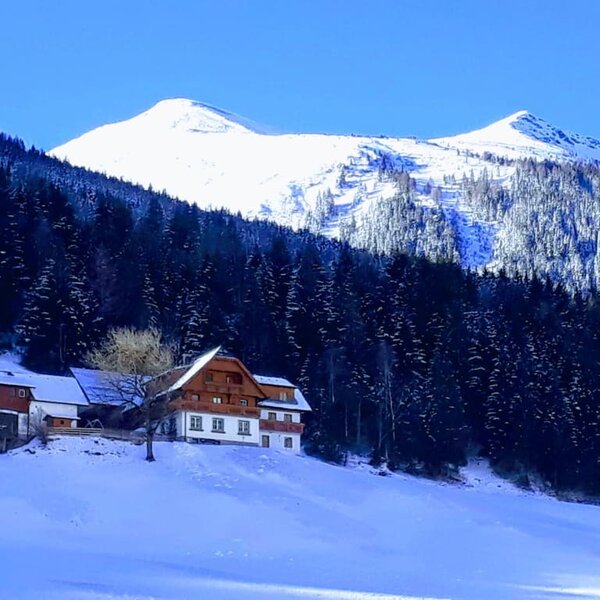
{"points": [[218, 400], [27, 399]]}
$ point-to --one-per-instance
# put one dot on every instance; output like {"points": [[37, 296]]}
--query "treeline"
{"points": [[414, 362]]}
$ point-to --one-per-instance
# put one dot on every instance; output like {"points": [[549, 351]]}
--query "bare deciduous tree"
{"points": [[135, 359]]}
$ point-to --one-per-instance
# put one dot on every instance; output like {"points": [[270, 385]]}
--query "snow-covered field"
{"points": [[89, 519]]}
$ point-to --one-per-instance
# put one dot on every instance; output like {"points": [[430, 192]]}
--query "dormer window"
{"points": [[283, 395]]}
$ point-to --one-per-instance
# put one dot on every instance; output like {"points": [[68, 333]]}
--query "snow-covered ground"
{"points": [[88, 519]]}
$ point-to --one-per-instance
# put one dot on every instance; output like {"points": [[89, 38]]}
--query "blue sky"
{"points": [[397, 67]]}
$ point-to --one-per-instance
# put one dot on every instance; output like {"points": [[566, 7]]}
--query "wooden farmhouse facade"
{"points": [[218, 400], [29, 399]]}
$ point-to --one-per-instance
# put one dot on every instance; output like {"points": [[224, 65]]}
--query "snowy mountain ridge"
{"points": [[522, 134], [327, 183]]}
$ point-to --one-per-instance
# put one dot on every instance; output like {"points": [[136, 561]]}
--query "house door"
{"points": [[265, 441]]}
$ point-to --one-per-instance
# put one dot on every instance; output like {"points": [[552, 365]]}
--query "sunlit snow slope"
{"points": [[216, 159], [89, 519]]}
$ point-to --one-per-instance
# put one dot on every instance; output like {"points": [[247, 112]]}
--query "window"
{"points": [[195, 423], [208, 378], [243, 427], [287, 418], [287, 442], [272, 416], [219, 425], [243, 402], [265, 441], [283, 395], [194, 396], [234, 378], [22, 393], [217, 400]]}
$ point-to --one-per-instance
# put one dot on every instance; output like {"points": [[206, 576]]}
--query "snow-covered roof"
{"points": [[278, 381], [56, 416], [101, 387], [298, 403], [47, 388], [10, 378], [12, 362], [195, 368]]}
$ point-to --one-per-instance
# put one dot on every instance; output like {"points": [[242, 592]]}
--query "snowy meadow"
{"points": [[89, 519]]}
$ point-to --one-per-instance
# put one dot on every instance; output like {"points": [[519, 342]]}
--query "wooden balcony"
{"points": [[283, 426], [222, 388], [217, 409]]}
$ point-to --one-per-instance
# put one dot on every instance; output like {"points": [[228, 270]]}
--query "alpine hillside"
{"points": [[476, 198]]}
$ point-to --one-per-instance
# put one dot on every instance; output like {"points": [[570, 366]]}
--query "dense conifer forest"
{"points": [[418, 363], [544, 222]]}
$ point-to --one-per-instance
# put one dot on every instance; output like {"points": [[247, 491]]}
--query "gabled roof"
{"points": [[101, 387], [298, 403], [278, 381], [47, 388], [10, 378], [194, 369]]}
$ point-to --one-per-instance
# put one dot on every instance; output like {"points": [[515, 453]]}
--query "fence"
{"points": [[113, 434]]}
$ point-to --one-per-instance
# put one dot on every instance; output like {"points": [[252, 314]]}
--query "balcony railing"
{"points": [[221, 387], [284, 426]]}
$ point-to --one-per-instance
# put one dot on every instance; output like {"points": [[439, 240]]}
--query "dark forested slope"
{"points": [[415, 362]]}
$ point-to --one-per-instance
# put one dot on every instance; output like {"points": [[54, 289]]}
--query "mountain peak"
{"points": [[519, 115], [525, 134], [188, 115]]}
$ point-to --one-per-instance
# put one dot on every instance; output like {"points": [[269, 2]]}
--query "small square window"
{"points": [[243, 402], [195, 397], [272, 416], [244, 427], [287, 418], [208, 378], [22, 393], [219, 425], [287, 442], [217, 400], [195, 423]]}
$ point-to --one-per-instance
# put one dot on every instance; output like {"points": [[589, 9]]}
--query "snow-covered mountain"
{"points": [[217, 159], [524, 135]]}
